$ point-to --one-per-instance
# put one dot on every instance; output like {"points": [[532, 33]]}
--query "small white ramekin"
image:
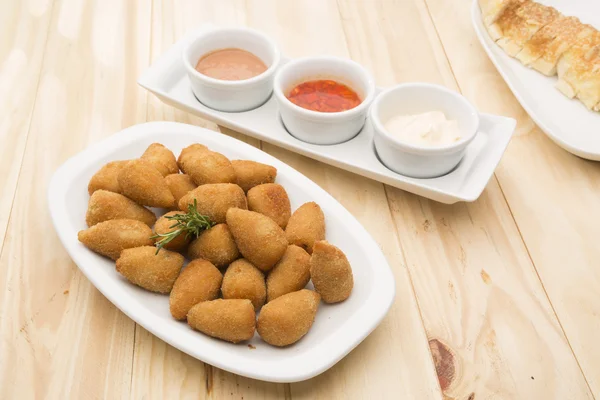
{"points": [[232, 96], [321, 127], [416, 98]]}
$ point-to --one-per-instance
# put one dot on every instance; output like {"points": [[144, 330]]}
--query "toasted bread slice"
{"points": [[543, 50], [587, 82], [491, 10], [579, 50], [579, 71], [518, 24], [503, 19]]}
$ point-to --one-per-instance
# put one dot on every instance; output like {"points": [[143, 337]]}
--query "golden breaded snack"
{"points": [[199, 281], [288, 318], [306, 226], [161, 158], [330, 272], [213, 200], [163, 226], [242, 280], [179, 185], [205, 166], [105, 205], [188, 153], [154, 272], [252, 173], [270, 199], [142, 183], [111, 237], [260, 240], [232, 320], [215, 245], [106, 177], [290, 274]]}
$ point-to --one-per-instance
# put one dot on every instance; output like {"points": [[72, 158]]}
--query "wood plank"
{"points": [[552, 194], [373, 358], [23, 33], [160, 370], [60, 337], [492, 331], [394, 361]]}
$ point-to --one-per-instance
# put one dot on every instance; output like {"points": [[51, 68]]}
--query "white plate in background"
{"points": [[566, 121], [337, 328], [168, 80]]}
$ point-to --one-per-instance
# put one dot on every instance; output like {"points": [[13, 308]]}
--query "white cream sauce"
{"points": [[428, 129]]}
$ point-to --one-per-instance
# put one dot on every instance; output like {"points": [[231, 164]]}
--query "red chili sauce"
{"points": [[324, 96]]}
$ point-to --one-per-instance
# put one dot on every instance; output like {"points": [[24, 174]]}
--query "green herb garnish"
{"points": [[191, 223]]}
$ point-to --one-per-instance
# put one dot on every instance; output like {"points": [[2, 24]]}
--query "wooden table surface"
{"points": [[496, 299]]}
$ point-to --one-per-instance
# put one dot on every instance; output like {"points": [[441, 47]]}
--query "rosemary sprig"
{"points": [[191, 223]]}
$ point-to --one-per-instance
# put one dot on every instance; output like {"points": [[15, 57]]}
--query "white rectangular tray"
{"points": [[168, 80], [567, 122]]}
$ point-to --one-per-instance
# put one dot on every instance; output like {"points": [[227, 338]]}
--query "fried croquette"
{"points": [[259, 239], [288, 318], [187, 154], [111, 237], [105, 205], [106, 177], [290, 274], [330, 272], [142, 266], [179, 185], [142, 183], [205, 166], [164, 226], [233, 320], [270, 199], [251, 173], [213, 200], [199, 281], [215, 245], [266, 253], [242, 280], [306, 226], [161, 158]]}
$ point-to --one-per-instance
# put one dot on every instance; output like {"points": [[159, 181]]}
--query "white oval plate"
{"points": [[567, 122], [337, 328]]}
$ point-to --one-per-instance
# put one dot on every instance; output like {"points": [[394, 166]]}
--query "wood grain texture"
{"points": [[23, 34], [487, 293], [60, 338], [373, 359], [159, 370], [552, 194], [394, 361], [493, 333]]}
